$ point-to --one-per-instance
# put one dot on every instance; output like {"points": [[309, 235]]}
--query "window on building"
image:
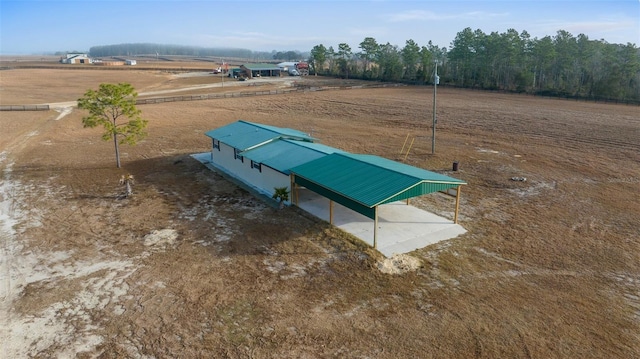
{"points": [[216, 144], [237, 156], [256, 165]]}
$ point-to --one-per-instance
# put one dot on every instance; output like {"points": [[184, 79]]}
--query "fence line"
{"points": [[255, 93], [215, 96], [24, 107]]}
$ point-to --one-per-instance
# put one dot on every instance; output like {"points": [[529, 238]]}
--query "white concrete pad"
{"points": [[402, 228]]}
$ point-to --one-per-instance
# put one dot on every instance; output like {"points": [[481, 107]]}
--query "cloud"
{"points": [[372, 31], [257, 41], [412, 15], [590, 26], [595, 29]]}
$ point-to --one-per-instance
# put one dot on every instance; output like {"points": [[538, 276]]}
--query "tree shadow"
{"points": [[218, 211], [222, 214]]}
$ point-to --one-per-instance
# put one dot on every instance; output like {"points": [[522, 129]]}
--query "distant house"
{"points": [[76, 58], [294, 68], [285, 66]]}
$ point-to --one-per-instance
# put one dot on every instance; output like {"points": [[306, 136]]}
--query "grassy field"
{"points": [[193, 266]]}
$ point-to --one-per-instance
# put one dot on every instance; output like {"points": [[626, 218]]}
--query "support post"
{"points": [[294, 189], [375, 227], [455, 216], [435, 87], [331, 211]]}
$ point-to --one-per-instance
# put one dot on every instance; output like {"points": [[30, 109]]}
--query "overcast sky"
{"points": [[43, 26]]}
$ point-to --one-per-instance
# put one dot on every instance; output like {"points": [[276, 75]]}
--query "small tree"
{"points": [[108, 106], [318, 58], [281, 195]]}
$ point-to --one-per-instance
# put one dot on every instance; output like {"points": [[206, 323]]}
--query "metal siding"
{"points": [[262, 182], [269, 179], [419, 190]]}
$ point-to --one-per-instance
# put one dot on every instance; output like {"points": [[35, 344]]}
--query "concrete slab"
{"points": [[402, 228]]}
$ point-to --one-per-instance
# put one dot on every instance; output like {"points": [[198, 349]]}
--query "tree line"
{"points": [[561, 65], [138, 49]]}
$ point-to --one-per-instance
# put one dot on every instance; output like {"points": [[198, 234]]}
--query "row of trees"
{"points": [[136, 49], [288, 55], [561, 65]]}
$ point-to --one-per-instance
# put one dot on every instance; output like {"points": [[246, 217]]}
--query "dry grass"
{"points": [[549, 267]]}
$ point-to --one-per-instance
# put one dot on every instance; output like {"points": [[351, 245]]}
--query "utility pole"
{"points": [[436, 79]]}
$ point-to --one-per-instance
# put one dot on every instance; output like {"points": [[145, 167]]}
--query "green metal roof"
{"points": [[261, 67], [281, 155], [244, 135], [359, 182], [362, 182], [404, 168]]}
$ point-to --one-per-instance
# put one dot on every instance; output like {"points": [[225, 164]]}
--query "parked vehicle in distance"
{"points": [[302, 68]]}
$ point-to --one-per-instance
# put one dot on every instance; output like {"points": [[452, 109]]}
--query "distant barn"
{"points": [[260, 70], [76, 58]]}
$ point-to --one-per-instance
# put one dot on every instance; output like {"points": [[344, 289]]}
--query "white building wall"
{"points": [[223, 158], [263, 182], [270, 179]]}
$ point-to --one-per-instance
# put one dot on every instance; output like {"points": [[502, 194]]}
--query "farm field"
{"points": [[194, 266]]}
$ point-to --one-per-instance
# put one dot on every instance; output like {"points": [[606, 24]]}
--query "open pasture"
{"points": [[193, 266]]}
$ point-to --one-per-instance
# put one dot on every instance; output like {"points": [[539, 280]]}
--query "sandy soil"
{"points": [[193, 266]]}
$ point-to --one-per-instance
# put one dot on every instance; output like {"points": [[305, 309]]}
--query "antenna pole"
{"points": [[435, 87]]}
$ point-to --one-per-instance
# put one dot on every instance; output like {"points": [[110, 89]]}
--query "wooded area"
{"points": [[149, 49], [562, 65]]}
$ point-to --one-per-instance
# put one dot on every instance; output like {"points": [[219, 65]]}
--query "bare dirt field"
{"points": [[193, 266]]}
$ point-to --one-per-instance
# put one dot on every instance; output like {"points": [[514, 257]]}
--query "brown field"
{"points": [[192, 266]]}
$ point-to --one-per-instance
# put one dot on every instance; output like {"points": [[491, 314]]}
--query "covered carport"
{"points": [[261, 70], [362, 183]]}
